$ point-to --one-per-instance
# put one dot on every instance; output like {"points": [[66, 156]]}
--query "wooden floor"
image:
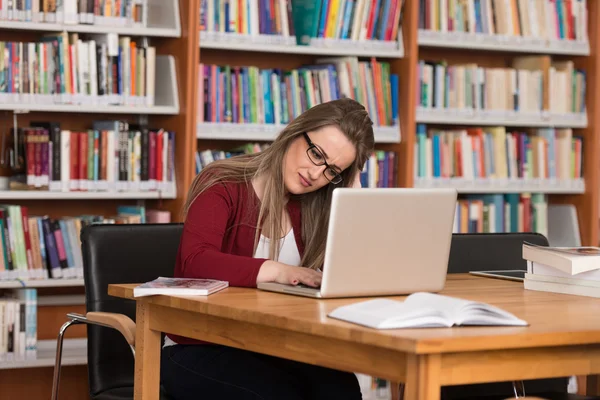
{"points": [[36, 384]]}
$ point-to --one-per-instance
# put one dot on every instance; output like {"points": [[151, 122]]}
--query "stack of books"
{"points": [[567, 270]]}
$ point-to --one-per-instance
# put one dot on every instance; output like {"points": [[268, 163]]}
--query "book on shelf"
{"points": [[424, 310], [532, 85], [179, 286], [380, 170], [18, 325], [304, 20], [566, 270], [539, 19], [73, 68], [131, 13], [41, 247], [249, 94], [112, 156], [495, 152], [498, 212]]}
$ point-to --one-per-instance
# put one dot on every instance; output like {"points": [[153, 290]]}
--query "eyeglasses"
{"points": [[318, 158]]}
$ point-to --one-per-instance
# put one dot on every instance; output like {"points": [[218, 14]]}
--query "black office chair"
{"points": [[117, 254], [492, 252]]}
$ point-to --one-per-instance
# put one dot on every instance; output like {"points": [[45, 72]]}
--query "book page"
{"points": [[390, 314], [576, 251], [449, 306], [464, 312]]}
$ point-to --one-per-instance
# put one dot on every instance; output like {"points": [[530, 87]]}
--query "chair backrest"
{"points": [[490, 251], [121, 253]]}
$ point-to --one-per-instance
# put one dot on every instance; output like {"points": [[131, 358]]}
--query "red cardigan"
{"points": [[218, 237]]}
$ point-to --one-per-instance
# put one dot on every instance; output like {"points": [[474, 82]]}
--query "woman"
{"points": [[263, 218]]}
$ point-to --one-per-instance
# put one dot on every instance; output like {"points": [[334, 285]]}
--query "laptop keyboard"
{"points": [[302, 285]]}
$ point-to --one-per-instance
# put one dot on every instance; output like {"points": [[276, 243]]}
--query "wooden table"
{"points": [[562, 340]]}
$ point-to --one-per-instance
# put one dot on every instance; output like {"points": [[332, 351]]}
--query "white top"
{"points": [[288, 254]]}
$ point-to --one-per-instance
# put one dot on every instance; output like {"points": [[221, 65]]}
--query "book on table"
{"points": [[424, 310], [179, 287], [565, 270]]}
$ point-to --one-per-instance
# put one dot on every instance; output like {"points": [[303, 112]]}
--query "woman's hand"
{"points": [[272, 271]]}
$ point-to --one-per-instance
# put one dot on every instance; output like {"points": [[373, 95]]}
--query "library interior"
{"points": [[462, 133]]}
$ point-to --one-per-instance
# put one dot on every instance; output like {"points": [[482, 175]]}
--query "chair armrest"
{"points": [[120, 322]]}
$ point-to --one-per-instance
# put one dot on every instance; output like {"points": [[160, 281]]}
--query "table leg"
{"points": [[422, 377], [147, 356]]}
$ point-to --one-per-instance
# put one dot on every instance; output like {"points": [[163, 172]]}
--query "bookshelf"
{"points": [[495, 53], [151, 95], [344, 44], [185, 38]]}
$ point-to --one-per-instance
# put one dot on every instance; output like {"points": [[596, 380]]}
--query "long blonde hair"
{"points": [[346, 114]]}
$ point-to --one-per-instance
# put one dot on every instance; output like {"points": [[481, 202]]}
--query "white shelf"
{"points": [[477, 41], [74, 353], [40, 283], [550, 186], [88, 28], [268, 132], [166, 100], [287, 44], [501, 118], [47, 195], [163, 21]]}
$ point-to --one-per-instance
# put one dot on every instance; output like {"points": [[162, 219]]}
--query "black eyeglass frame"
{"points": [[337, 179]]}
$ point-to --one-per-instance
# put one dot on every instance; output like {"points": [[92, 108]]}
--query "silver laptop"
{"points": [[384, 241]]}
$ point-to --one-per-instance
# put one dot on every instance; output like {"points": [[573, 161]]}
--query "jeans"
{"points": [[198, 372]]}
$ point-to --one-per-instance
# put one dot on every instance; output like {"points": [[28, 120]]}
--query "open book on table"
{"points": [[423, 310]]}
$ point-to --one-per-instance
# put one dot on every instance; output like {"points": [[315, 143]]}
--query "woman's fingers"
{"points": [[310, 278]]}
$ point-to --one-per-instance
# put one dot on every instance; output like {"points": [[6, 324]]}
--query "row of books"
{"points": [[305, 19], [380, 170], [111, 156], [63, 68], [494, 152], [498, 213], [542, 19], [18, 325], [532, 85], [97, 12], [41, 247], [251, 94]]}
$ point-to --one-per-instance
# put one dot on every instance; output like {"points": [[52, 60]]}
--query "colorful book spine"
{"points": [[274, 96], [111, 156], [92, 12], [502, 213], [65, 68], [550, 86], [478, 153], [539, 19], [357, 20]]}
